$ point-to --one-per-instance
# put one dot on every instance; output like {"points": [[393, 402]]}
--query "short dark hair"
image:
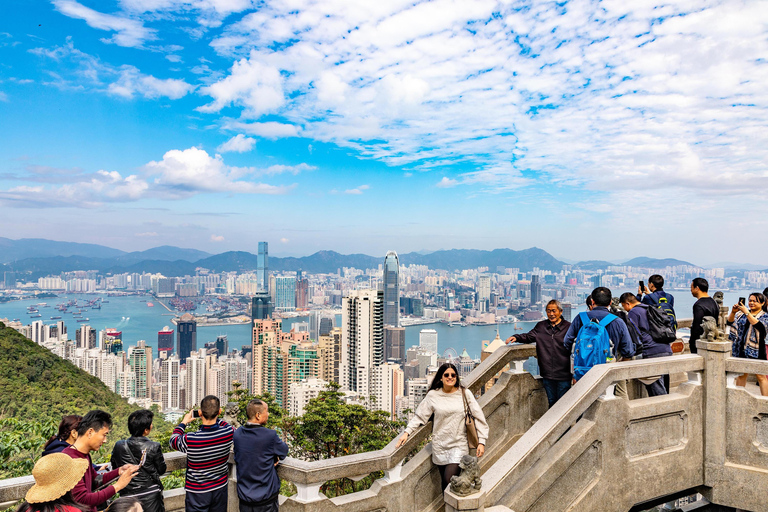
{"points": [[254, 407], [601, 296], [95, 420], [123, 504], [589, 302], [628, 298], [700, 283], [657, 281], [210, 407], [139, 421]]}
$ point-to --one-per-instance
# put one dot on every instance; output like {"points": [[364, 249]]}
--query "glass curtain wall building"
{"points": [[391, 289]]}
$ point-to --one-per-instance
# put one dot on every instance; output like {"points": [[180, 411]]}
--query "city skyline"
{"points": [[138, 123]]}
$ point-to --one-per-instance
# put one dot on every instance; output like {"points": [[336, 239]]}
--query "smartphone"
{"points": [[143, 457], [196, 413], [642, 285], [742, 301]]}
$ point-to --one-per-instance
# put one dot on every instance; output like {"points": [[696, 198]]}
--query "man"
{"points": [[704, 306], [91, 434], [146, 485], [207, 455], [617, 330], [638, 315], [554, 359], [257, 451], [654, 295]]}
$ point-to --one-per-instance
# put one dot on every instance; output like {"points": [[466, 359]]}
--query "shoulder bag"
{"points": [[469, 423]]}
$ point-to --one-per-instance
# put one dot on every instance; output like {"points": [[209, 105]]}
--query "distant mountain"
{"points": [[593, 264], [164, 252], [731, 265], [656, 263], [12, 250], [325, 262], [462, 259]]}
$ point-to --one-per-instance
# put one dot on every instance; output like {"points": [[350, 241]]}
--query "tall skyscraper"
{"points": [[330, 355], [165, 340], [302, 293], [535, 290], [326, 324], [195, 378], [262, 267], [483, 292], [169, 383], [386, 385], [394, 344], [186, 338], [140, 359], [285, 293], [270, 363], [392, 289], [428, 340], [261, 307], [222, 344], [362, 340]]}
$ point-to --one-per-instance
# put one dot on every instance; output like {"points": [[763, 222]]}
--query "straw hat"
{"points": [[55, 475]]}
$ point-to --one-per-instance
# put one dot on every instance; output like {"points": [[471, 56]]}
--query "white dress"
{"points": [[449, 435]]}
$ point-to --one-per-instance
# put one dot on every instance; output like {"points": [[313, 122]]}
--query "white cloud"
{"points": [[447, 182], [217, 238], [192, 170], [3, 96], [268, 130], [284, 240], [289, 169], [239, 144], [147, 234], [357, 191], [132, 81], [129, 32]]}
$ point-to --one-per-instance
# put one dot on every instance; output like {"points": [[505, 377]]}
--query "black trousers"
{"points": [[211, 501]]}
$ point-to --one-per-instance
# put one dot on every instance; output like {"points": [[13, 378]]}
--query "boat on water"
{"points": [[105, 302], [36, 316], [55, 318], [150, 305], [82, 319]]}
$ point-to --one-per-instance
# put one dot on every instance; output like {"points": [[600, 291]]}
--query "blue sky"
{"points": [[594, 130]]}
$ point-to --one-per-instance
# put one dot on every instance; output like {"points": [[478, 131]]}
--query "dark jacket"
{"points": [[257, 448], [554, 359], [146, 485], [617, 331], [639, 317], [56, 446], [706, 306]]}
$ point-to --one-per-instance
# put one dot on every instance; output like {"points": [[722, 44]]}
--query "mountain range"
{"points": [[41, 257]]}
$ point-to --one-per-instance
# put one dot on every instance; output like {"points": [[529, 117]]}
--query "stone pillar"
{"points": [[715, 354], [473, 502]]}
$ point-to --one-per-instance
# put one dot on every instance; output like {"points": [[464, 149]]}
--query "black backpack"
{"points": [[660, 326]]}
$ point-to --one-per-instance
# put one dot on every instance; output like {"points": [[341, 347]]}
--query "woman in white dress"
{"points": [[449, 434]]}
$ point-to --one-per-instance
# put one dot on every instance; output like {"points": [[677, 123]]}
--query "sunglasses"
{"points": [[450, 375]]}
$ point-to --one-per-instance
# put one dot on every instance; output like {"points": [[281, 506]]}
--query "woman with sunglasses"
{"points": [[444, 401], [749, 326]]}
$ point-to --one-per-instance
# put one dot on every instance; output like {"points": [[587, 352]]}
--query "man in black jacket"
{"points": [[704, 306], [258, 450], [554, 359], [146, 485]]}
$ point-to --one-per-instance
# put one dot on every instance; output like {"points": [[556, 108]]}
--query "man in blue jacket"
{"points": [[617, 330], [638, 315], [654, 295], [258, 450]]}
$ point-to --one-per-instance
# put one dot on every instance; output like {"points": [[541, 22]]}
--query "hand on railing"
{"points": [[402, 440], [511, 339]]}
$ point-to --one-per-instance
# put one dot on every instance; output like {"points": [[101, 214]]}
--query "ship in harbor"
{"points": [[82, 319]]}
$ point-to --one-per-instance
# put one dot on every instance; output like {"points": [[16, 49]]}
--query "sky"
{"points": [[593, 130]]}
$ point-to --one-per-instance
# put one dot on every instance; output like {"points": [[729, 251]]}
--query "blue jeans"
{"points": [[555, 389]]}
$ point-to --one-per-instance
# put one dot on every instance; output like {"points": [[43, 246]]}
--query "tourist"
{"points": [[654, 295], [749, 324], [589, 302], [207, 456], [55, 476], [257, 452], [445, 400], [146, 485], [554, 359], [91, 435], [621, 342], [638, 314], [125, 504], [704, 306], [66, 435]]}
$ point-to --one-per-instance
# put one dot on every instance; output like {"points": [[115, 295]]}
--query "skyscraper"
{"points": [[165, 340], [362, 340], [428, 340], [285, 293], [394, 344], [261, 307], [140, 359], [262, 267], [302, 293], [195, 379], [169, 384], [222, 344], [535, 290], [186, 339], [330, 355], [391, 289]]}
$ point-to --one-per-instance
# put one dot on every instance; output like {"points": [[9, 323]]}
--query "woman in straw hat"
{"points": [[55, 476]]}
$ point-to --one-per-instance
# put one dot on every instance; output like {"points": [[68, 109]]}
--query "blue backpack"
{"points": [[592, 345]]}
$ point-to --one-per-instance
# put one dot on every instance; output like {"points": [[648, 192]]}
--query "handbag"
{"points": [[469, 423]]}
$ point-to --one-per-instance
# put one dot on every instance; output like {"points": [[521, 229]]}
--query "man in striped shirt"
{"points": [[207, 455]]}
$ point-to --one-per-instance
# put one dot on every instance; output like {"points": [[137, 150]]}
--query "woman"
{"points": [[449, 434], [748, 331], [55, 476], [66, 436], [125, 504]]}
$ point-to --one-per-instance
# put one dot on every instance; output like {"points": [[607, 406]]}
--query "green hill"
{"points": [[36, 389]]}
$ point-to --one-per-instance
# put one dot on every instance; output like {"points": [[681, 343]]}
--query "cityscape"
{"points": [[305, 330]]}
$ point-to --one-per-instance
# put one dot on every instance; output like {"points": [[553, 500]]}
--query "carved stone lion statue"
{"points": [[468, 482], [231, 410], [711, 332], [718, 296]]}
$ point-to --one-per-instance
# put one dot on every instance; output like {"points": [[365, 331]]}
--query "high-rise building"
{"points": [[216, 382], [85, 337], [302, 392], [391, 289], [326, 324], [465, 365], [428, 340], [362, 340], [222, 344], [165, 340], [270, 365], [394, 344], [483, 292], [140, 359], [285, 293], [261, 307], [567, 311], [186, 337], [535, 290], [302, 293], [169, 384], [195, 379], [303, 362], [262, 267], [330, 355], [386, 386]]}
